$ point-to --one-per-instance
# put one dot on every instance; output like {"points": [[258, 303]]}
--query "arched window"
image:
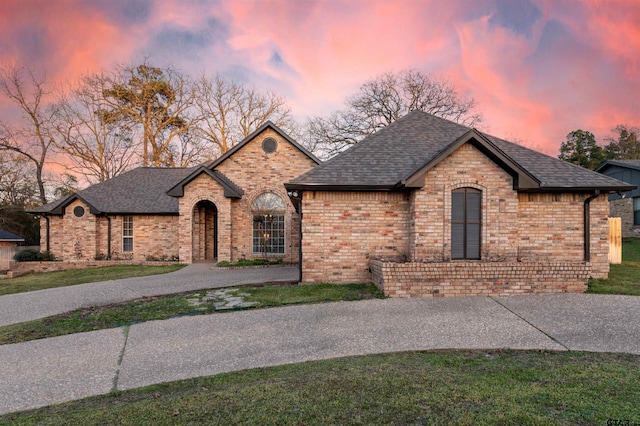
{"points": [[466, 223], [268, 224]]}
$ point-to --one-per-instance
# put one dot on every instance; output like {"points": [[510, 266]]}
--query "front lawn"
{"points": [[623, 278], [195, 303], [40, 281], [447, 387]]}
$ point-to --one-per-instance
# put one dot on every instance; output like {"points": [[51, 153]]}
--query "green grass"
{"points": [[157, 308], [39, 281], [623, 278], [246, 262], [450, 387]]}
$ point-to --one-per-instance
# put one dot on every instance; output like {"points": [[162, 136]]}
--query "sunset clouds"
{"points": [[538, 69]]}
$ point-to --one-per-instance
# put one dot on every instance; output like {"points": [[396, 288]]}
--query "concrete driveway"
{"points": [[49, 371], [22, 307]]}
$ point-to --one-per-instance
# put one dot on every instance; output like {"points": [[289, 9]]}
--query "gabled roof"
{"points": [[259, 130], [398, 156], [139, 191], [8, 236], [631, 164], [231, 190]]}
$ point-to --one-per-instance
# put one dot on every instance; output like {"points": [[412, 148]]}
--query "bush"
{"points": [[30, 255]]}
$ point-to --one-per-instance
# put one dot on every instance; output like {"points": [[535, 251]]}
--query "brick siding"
{"points": [[346, 233], [256, 172], [459, 278]]}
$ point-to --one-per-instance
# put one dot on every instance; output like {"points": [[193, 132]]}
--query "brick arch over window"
{"points": [[269, 211], [466, 223]]}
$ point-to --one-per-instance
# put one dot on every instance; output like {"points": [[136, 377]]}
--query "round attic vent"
{"points": [[269, 145], [78, 211]]}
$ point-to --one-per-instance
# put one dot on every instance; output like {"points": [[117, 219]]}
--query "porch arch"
{"points": [[204, 241]]}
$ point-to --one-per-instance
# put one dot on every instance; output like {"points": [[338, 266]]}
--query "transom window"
{"points": [[466, 223], [268, 224], [127, 234]]}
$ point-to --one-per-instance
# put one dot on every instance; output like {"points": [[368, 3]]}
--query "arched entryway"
{"points": [[205, 231]]}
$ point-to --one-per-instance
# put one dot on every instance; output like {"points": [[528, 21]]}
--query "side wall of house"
{"points": [[343, 230], [86, 237], [154, 237]]}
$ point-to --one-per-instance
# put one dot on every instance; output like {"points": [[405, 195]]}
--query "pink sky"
{"points": [[538, 69]]}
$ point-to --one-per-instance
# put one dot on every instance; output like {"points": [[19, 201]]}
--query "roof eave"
{"points": [[344, 188], [556, 189], [522, 178], [262, 128], [178, 189]]}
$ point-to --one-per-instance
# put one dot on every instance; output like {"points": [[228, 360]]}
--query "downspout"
{"points": [[108, 237], [587, 224], [48, 239], [300, 244], [296, 199]]}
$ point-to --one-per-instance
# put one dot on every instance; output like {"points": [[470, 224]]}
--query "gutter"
{"points": [[296, 199], [48, 240], [108, 237], [587, 224]]}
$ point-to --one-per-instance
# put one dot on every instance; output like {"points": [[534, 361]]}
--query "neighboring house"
{"points": [[625, 205], [7, 239], [428, 207], [232, 208]]}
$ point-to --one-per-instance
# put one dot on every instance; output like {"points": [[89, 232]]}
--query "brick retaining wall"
{"points": [[447, 279], [22, 268]]}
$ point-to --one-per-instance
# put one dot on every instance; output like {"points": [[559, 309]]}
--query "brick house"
{"points": [[232, 208], [427, 207], [625, 205]]}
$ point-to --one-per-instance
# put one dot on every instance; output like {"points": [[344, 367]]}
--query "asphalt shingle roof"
{"points": [[393, 154], [139, 191], [8, 236]]}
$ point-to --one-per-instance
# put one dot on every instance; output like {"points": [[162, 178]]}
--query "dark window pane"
{"points": [[457, 241], [457, 206], [473, 241], [474, 200]]}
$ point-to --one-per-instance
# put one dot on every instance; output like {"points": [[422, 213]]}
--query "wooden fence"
{"points": [[7, 253], [615, 240]]}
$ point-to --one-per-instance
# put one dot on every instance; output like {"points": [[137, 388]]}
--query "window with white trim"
{"points": [[466, 223], [268, 224], [127, 234]]}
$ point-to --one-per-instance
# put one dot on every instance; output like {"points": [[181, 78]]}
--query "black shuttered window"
{"points": [[466, 223]]}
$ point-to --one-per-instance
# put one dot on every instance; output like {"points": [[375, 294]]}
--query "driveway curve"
{"points": [[20, 307], [49, 371]]}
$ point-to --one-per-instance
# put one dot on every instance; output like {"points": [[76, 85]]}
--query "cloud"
{"points": [[538, 68]]}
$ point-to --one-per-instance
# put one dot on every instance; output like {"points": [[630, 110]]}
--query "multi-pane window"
{"points": [[268, 224], [466, 221], [636, 211], [127, 234]]}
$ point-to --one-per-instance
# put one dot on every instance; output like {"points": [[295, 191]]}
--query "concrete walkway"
{"points": [[22, 307], [49, 371]]}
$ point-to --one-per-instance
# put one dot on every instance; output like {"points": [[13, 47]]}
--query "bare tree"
{"points": [[31, 138], [231, 111], [99, 149], [383, 100], [157, 101]]}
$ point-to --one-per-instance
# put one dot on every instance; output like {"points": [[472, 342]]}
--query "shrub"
{"points": [[100, 256], [30, 255]]}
